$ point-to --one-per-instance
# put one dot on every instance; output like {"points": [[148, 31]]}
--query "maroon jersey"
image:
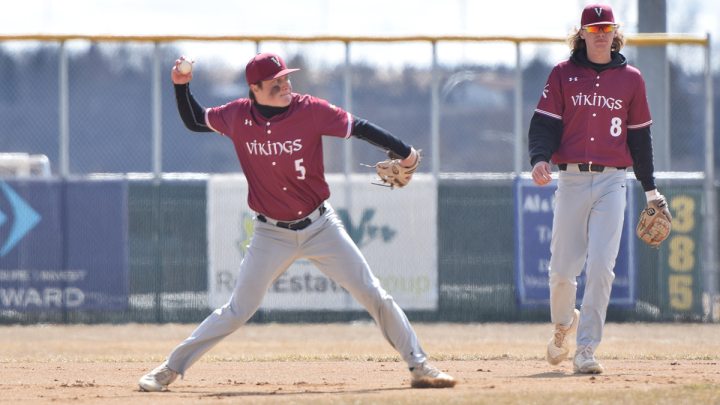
{"points": [[596, 110], [282, 157]]}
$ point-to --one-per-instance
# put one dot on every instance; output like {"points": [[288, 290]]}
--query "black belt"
{"points": [[296, 225], [587, 168]]}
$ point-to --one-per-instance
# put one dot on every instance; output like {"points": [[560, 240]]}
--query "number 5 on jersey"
{"points": [[299, 167]]}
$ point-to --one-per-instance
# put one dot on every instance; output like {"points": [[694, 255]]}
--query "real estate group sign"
{"points": [[396, 230]]}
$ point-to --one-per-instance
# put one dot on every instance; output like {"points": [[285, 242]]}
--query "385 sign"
{"points": [[680, 254]]}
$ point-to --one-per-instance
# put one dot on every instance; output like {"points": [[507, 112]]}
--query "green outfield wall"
{"points": [[167, 237]]}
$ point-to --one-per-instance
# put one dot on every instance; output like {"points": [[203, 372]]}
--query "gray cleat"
{"points": [[558, 348], [427, 376], [158, 379], [584, 362]]}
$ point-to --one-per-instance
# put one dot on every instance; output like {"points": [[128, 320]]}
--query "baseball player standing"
{"points": [[593, 122], [278, 140]]}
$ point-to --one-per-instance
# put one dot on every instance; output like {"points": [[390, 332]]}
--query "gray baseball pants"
{"points": [[272, 250], [588, 218]]}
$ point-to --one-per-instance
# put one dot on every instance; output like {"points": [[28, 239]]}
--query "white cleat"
{"points": [[558, 348], [158, 379], [427, 376], [584, 362]]}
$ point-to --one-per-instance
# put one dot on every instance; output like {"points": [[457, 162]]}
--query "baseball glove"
{"points": [[392, 173], [655, 222]]}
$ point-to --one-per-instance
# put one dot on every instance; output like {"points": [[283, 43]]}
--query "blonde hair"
{"points": [[576, 42]]}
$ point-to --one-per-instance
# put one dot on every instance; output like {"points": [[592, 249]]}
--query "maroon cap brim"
{"points": [[279, 74]]}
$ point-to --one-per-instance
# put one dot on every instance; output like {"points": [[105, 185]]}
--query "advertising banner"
{"points": [[533, 233], [396, 231], [63, 245], [680, 265]]}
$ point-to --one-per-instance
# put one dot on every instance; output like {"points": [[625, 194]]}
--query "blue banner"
{"points": [[63, 245], [533, 233]]}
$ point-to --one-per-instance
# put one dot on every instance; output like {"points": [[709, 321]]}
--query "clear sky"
{"points": [[335, 17]]}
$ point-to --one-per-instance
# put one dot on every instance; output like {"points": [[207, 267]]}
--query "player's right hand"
{"points": [[177, 77], [541, 173]]}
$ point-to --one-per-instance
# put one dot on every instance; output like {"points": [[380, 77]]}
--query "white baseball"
{"points": [[185, 67]]}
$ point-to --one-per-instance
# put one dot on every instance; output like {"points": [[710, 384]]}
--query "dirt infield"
{"points": [[494, 363]]}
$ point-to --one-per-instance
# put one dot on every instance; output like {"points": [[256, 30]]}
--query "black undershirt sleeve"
{"points": [[191, 112], [369, 132], [544, 138], [640, 143]]}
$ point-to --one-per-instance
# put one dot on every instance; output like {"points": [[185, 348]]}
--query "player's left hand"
{"points": [[396, 171], [655, 222]]}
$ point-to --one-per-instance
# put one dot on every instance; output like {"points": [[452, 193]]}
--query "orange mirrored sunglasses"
{"points": [[596, 28]]}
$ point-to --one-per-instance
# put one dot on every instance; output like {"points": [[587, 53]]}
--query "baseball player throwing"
{"points": [[593, 122], [278, 140]]}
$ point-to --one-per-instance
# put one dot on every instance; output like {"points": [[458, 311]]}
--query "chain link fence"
{"points": [[467, 102], [110, 101]]}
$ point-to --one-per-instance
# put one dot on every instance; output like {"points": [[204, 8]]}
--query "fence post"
{"points": [[156, 115], [710, 228], [64, 163], [348, 150], [157, 181], [435, 113], [348, 107], [518, 110], [64, 113]]}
